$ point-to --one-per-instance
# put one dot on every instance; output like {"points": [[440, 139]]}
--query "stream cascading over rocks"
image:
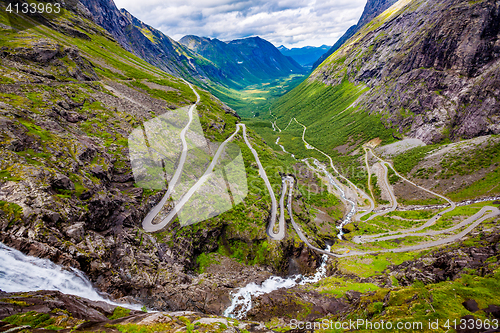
{"points": [[342, 194], [242, 299], [22, 273]]}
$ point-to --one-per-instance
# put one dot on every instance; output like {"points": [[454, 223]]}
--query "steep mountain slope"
{"points": [[244, 61], [372, 9], [428, 69], [432, 68], [150, 44], [223, 70], [305, 56]]}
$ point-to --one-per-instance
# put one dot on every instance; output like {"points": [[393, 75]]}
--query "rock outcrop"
{"points": [[50, 311], [431, 67], [449, 264]]}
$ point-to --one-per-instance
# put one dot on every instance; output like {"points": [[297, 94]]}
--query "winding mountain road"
{"points": [[472, 221], [147, 223], [288, 183], [358, 190], [430, 222], [394, 202], [262, 172], [148, 220]]}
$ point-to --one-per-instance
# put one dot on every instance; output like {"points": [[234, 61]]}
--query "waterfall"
{"points": [[242, 299], [283, 148], [22, 273], [342, 194]]}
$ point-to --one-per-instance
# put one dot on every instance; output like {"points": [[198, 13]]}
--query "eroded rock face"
{"points": [[431, 66], [48, 54], [285, 303], [47, 301], [442, 265], [81, 315]]}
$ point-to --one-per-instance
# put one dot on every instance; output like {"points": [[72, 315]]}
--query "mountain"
{"points": [[151, 44], [372, 9], [306, 56], [224, 71], [423, 69], [244, 61], [74, 101]]}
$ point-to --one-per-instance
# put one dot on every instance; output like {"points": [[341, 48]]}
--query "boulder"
{"points": [[76, 231], [62, 182], [471, 305], [493, 310]]}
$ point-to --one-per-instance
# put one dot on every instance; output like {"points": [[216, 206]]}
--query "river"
{"points": [[241, 302]]}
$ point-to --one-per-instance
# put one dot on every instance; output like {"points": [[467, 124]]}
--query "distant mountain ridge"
{"points": [[305, 56], [150, 44], [207, 63], [244, 61], [372, 9]]}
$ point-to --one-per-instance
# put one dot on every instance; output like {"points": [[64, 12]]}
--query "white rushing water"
{"points": [[283, 148], [342, 194], [22, 273], [242, 299]]}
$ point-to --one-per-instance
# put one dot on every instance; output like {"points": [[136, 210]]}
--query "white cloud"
{"points": [[293, 23]]}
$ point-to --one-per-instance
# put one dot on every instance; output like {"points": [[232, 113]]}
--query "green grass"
{"points": [[175, 97], [12, 211], [428, 201], [119, 312], [331, 123], [471, 162], [32, 318], [15, 302], [323, 109], [6, 175], [323, 199], [377, 192], [408, 160], [441, 301], [255, 99], [134, 328], [385, 223], [486, 186], [339, 286], [414, 214], [204, 261], [37, 130], [369, 265], [391, 175]]}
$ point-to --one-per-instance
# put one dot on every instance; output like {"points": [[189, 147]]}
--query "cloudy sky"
{"points": [[293, 23]]}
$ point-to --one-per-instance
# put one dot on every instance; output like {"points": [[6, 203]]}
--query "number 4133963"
{"points": [[33, 8], [472, 324]]}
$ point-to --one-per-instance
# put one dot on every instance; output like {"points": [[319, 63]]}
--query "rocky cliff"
{"points": [[426, 69], [432, 68], [205, 62], [372, 9], [150, 44]]}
